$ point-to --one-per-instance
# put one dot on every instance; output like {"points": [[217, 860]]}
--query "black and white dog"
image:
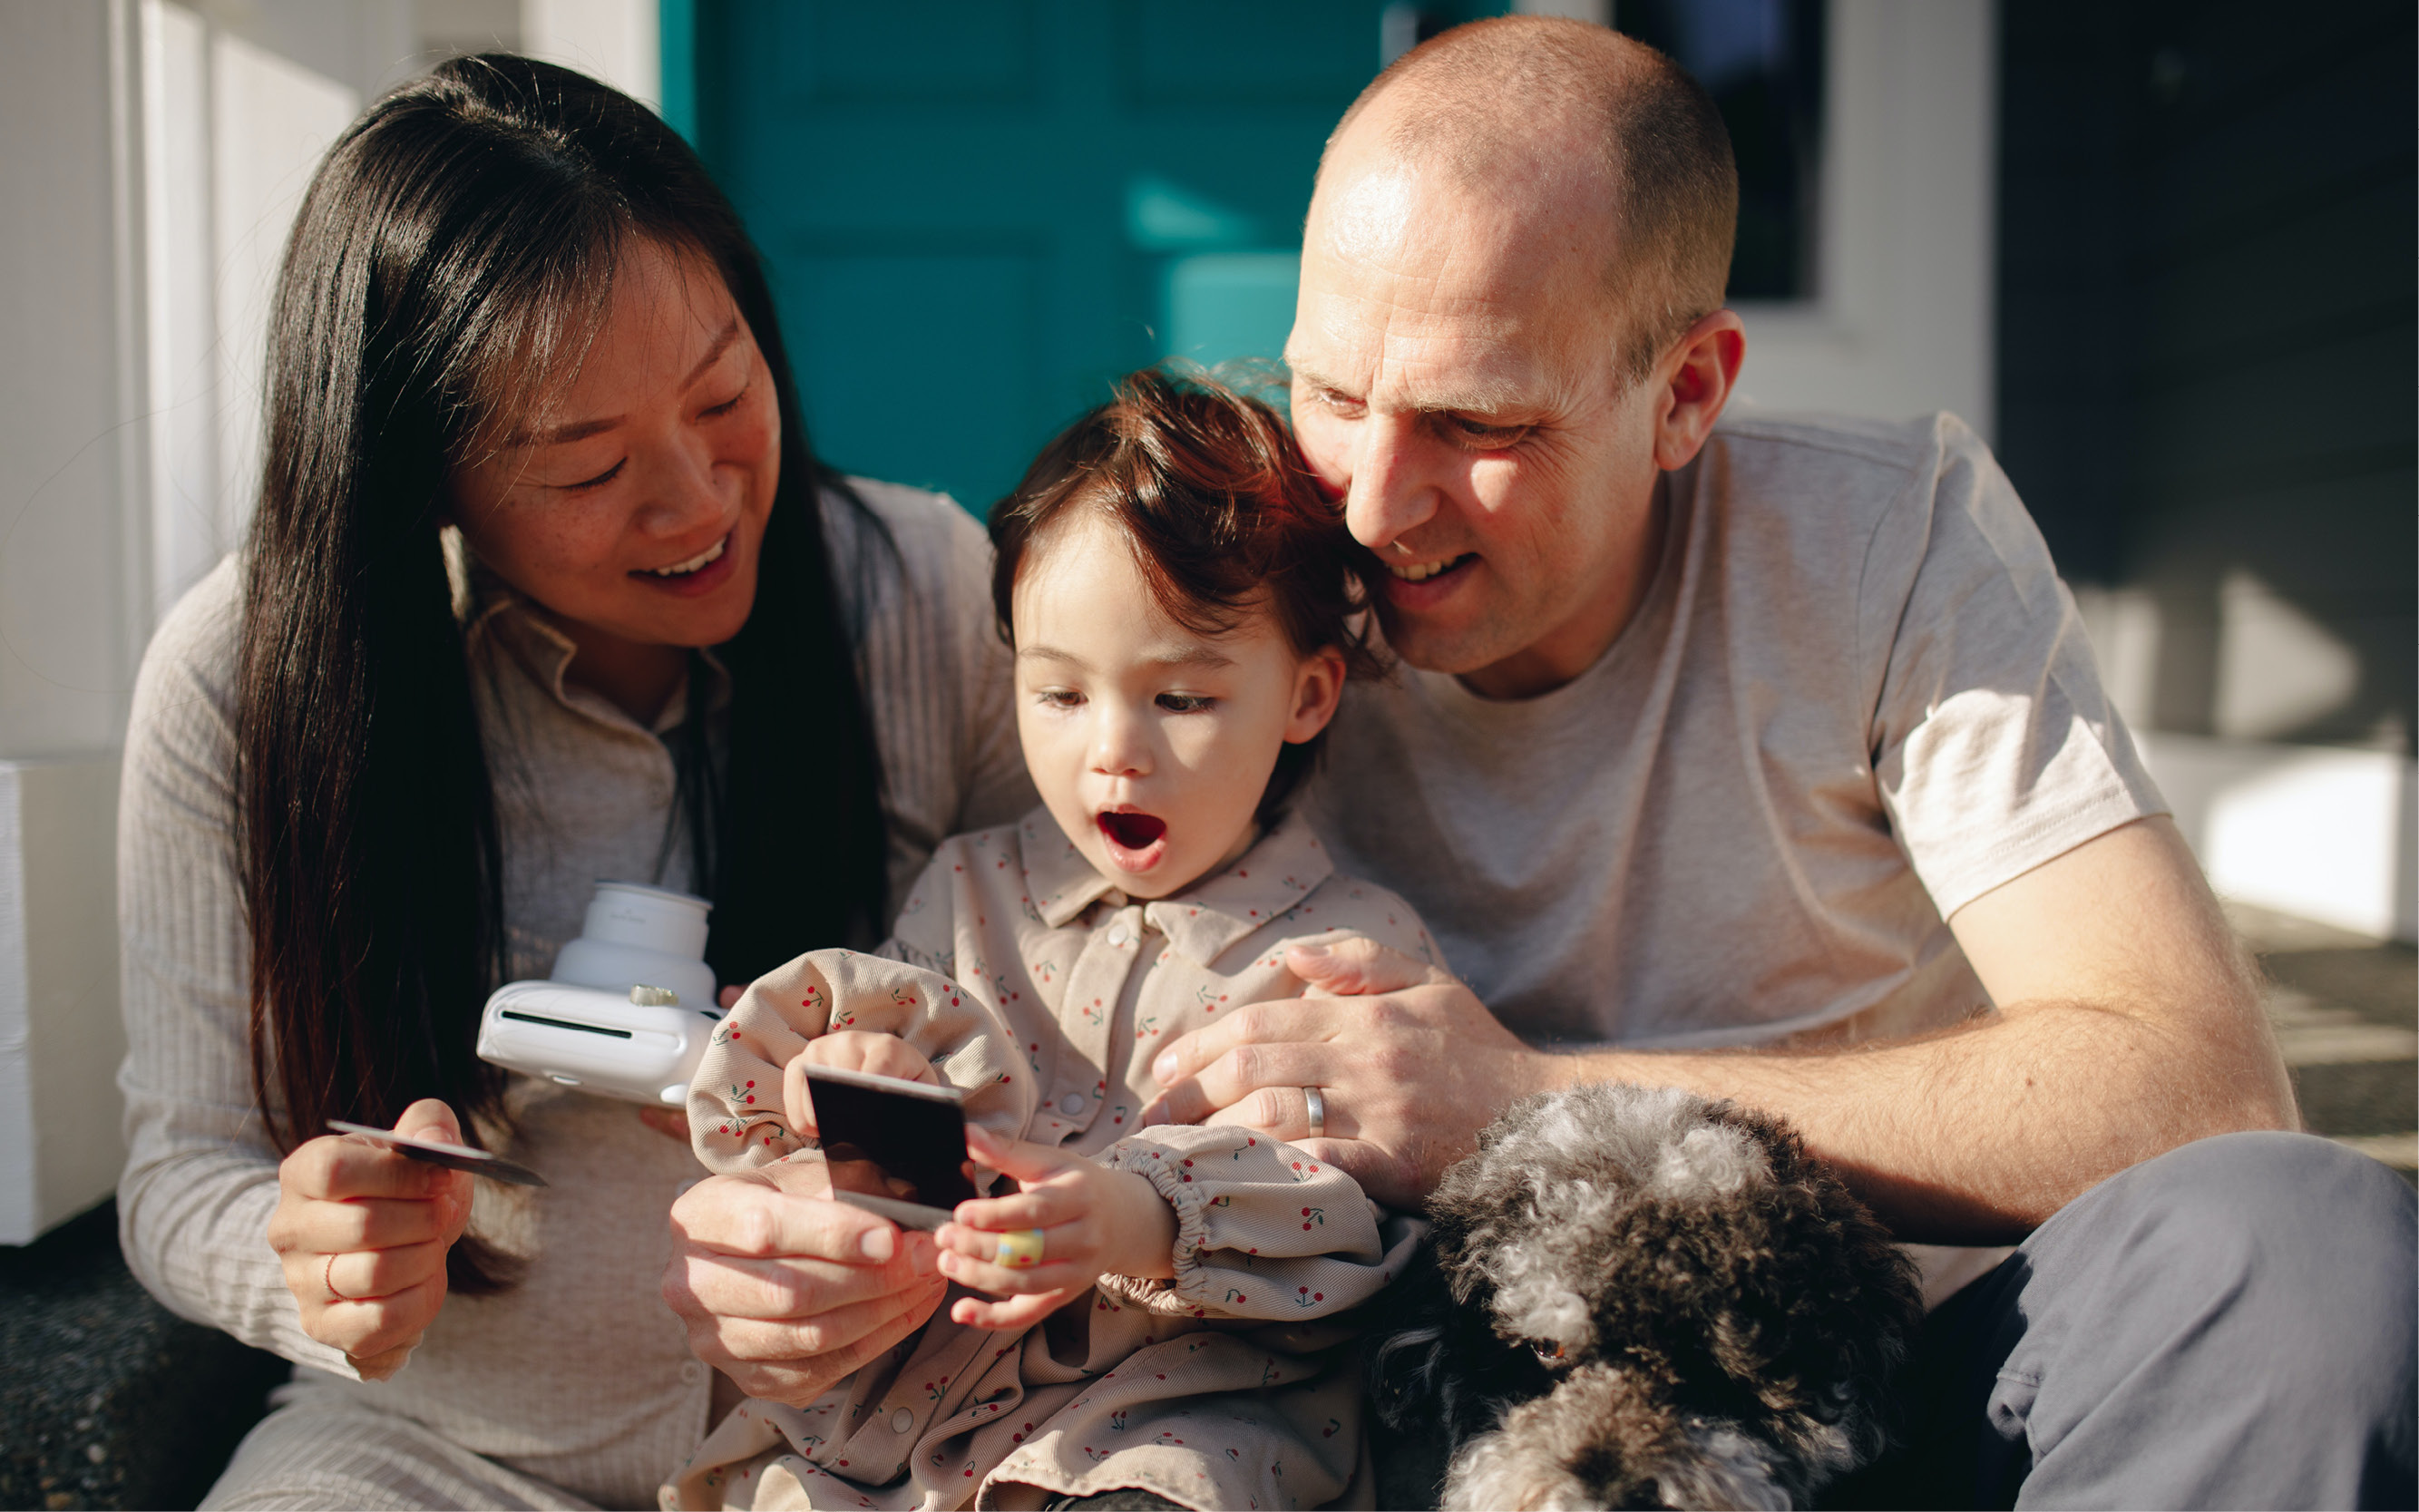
{"points": [[1635, 1297]]}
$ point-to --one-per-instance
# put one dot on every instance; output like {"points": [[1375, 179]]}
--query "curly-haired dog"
{"points": [[1637, 1297]]}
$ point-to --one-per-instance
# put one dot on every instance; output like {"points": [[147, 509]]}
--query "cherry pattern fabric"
{"points": [[1034, 984]]}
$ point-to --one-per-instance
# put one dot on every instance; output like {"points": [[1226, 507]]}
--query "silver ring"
{"points": [[1318, 1102]]}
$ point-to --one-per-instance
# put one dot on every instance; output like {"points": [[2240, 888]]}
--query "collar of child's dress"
{"points": [[1268, 883]]}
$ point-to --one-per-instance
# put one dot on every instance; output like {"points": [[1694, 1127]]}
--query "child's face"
{"points": [[1151, 745]]}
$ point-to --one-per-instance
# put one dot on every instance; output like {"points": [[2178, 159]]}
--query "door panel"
{"points": [[973, 405], [976, 213]]}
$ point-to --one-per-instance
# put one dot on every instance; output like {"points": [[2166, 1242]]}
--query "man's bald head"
{"points": [[1575, 117]]}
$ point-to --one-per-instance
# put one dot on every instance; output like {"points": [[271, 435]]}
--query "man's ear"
{"points": [[1318, 687], [1696, 378]]}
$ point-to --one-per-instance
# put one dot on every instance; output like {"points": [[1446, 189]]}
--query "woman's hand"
{"points": [[1093, 1222], [786, 1291], [362, 1232]]}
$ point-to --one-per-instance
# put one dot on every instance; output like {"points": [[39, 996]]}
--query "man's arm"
{"points": [[2129, 1024]]}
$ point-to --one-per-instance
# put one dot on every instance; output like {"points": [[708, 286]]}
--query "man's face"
{"points": [[1456, 379]]}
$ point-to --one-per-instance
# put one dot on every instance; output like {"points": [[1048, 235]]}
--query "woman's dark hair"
{"points": [[1225, 517], [455, 250]]}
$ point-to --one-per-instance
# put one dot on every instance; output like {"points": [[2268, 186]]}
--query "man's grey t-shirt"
{"points": [[1856, 698]]}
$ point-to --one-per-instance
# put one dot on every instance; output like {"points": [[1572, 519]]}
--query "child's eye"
{"points": [[725, 406], [1058, 698], [1185, 703]]}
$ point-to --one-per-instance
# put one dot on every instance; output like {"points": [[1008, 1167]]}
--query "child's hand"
{"points": [[877, 1055], [1092, 1221]]}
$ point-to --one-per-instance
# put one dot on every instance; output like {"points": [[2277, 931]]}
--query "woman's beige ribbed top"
{"points": [[580, 1376]]}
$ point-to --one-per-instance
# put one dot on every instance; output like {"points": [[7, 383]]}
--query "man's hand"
{"points": [[786, 1291], [1408, 1062]]}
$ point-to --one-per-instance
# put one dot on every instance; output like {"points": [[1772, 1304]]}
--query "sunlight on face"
{"points": [[631, 504], [1456, 378], [1150, 743]]}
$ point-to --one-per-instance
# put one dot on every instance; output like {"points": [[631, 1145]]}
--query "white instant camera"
{"points": [[628, 1007]]}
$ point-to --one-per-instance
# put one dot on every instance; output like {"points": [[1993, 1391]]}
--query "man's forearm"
{"points": [[1977, 1133]]}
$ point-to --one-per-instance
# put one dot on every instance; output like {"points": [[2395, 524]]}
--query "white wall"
{"points": [[2319, 832], [152, 160], [71, 619], [364, 45], [619, 41], [231, 134], [1903, 322], [73, 576], [2314, 831], [60, 1035]]}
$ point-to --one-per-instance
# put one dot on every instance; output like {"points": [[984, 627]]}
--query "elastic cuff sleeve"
{"points": [[1262, 1230]]}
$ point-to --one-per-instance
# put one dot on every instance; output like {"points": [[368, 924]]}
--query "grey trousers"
{"points": [[2231, 1325]]}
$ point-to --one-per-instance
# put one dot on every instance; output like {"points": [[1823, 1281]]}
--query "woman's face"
{"points": [[631, 501]]}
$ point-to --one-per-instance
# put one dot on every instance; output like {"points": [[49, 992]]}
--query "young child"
{"points": [[1183, 604]]}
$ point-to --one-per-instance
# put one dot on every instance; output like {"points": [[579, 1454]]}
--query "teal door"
{"points": [[978, 212]]}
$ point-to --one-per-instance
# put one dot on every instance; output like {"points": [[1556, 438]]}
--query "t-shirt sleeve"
{"points": [[1995, 745]]}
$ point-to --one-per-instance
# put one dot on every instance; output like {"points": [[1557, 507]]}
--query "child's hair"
{"points": [[1224, 518]]}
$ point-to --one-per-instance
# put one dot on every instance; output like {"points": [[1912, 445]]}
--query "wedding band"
{"points": [[1318, 1102], [327, 1279], [1020, 1249]]}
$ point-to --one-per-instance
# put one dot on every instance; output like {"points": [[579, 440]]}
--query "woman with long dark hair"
{"points": [[545, 586]]}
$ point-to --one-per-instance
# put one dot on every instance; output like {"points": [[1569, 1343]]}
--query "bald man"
{"points": [[1765, 756]]}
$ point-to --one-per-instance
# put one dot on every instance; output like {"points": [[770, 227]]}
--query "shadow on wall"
{"points": [[2207, 328]]}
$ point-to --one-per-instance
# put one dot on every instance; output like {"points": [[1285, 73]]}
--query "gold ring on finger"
{"points": [[1020, 1249], [327, 1276]]}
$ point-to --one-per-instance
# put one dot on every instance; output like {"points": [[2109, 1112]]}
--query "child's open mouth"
{"points": [[1136, 841]]}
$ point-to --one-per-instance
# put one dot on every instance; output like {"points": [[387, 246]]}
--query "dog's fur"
{"points": [[1636, 1297]]}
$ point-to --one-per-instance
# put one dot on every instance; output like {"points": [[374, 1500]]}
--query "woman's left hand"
{"points": [[1093, 1222]]}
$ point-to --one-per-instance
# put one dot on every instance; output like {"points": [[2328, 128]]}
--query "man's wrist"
{"points": [[1552, 1071], [1559, 1070]]}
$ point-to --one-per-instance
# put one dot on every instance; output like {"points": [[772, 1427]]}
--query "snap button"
{"points": [[902, 1420], [692, 1372], [1072, 1103], [1120, 935]]}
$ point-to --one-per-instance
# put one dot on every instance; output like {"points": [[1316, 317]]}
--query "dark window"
{"points": [[1761, 60]]}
